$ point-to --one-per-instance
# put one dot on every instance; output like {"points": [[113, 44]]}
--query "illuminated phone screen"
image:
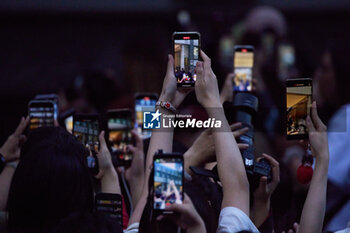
{"points": [[110, 204], [186, 55], [243, 68], [87, 132], [168, 182], [299, 100], [42, 114], [119, 127], [143, 104]]}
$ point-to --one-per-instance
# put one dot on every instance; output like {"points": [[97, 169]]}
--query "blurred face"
{"points": [[324, 82]]}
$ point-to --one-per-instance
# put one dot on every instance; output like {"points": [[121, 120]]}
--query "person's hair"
{"points": [[51, 181], [88, 223]]}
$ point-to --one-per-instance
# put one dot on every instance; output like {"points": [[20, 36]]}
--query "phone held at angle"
{"points": [[86, 128], [168, 181], [186, 54], [298, 106], [243, 68]]}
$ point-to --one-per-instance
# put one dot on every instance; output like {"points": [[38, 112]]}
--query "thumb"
{"points": [[174, 207], [102, 140], [199, 70]]}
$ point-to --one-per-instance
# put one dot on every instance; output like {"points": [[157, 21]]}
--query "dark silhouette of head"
{"points": [[51, 181]]}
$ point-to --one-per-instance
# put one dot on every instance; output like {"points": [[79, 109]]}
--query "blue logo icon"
{"points": [[151, 120]]}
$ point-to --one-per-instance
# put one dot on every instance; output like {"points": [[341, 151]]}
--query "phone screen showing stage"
{"points": [[86, 131], [120, 126], [186, 55], [299, 100], [168, 182], [243, 69]]}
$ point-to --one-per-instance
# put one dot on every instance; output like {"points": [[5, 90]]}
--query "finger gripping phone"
{"points": [[168, 184], [42, 113], [119, 122], [86, 128], [186, 54], [243, 68], [298, 105]]}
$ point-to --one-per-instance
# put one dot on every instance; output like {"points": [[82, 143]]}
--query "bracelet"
{"points": [[166, 105]]}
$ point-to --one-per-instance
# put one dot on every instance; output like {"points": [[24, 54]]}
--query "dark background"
{"points": [[45, 44]]}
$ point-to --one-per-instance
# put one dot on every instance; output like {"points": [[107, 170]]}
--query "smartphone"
{"points": [[144, 102], [243, 68], [186, 55], [52, 97], [168, 180], [42, 113], [298, 103], [86, 128], [119, 122], [286, 59], [111, 205]]}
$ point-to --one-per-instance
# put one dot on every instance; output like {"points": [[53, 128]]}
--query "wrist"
{"points": [[3, 154], [198, 226]]}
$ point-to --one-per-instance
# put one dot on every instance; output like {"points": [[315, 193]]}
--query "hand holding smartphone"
{"points": [[186, 55], [243, 68], [168, 178], [298, 103]]}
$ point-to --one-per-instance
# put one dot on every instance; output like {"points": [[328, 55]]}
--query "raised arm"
{"points": [[315, 205], [160, 139], [109, 180], [230, 165], [11, 151]]}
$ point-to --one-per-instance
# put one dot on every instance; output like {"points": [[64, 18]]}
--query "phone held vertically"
{"points": [[243, 63], [111, 205], [119, 122], [86, 128], [168, 181], [186, 54], [144, 102], [298, 105], [42, 113]]}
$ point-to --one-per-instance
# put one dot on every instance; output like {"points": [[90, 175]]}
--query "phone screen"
{"points": [[144, 103], [69, 124], [186, 55], [119, 127], [42, 113], [110, 204], [168, 182], [299, 100], [86, 130], [243, 68]]}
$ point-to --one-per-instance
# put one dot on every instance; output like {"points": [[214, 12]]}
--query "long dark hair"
{"points": [[51, 181]]}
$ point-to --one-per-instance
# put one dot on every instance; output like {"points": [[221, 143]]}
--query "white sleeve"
{"points": [[133, 228], [233, 220]]}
